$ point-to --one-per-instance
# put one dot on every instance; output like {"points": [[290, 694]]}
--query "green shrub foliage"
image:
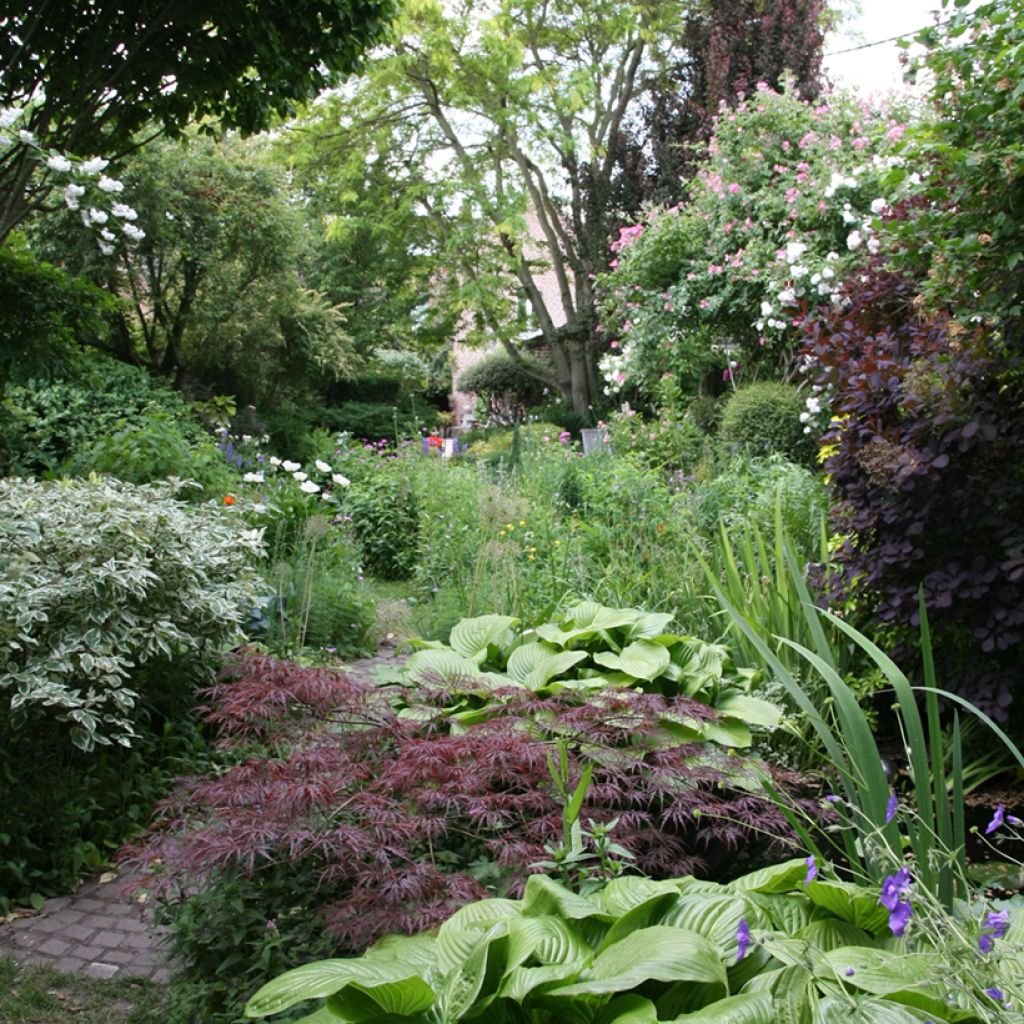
{"points": [[99, 578], [385, 518], [764, 419]]}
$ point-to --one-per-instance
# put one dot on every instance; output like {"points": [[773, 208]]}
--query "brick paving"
{"points": [[102, 930]]}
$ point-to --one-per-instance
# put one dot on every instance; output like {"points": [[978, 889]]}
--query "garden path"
{"points": [[103, 929]]}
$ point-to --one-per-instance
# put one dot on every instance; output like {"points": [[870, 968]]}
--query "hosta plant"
{"points": [[591, 648], [776, 945]]}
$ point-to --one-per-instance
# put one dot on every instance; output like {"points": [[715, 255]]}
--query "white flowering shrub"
{"points": [[99, 577]]}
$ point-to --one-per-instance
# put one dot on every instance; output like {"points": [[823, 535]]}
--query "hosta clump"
{"points": [[775, 945], [590, 649], [391, 825], [97, 578]]}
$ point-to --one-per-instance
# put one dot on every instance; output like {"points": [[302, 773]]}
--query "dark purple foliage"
{"points": [[399, 822], [928, 479]]}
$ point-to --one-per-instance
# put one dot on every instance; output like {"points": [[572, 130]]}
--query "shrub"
{"points": [[154, 447], [46, 314], [926, 468], [386, 825], [115, 601], [53, 421], [504, 385], [385, 518], [764, 419], [746, 493], [99, 578]]}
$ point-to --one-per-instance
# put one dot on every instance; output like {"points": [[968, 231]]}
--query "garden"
{"points": [[679, 678]]}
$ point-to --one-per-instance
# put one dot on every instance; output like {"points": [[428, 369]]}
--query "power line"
{"points": [[891, 39]]}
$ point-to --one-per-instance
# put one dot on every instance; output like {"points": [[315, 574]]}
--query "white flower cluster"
{"points": [[300, 476], [81, 174], [801, 280], [817, 406], [614, 367]]}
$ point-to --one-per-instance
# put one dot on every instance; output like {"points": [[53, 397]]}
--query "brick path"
{"points": [[100, 930]]}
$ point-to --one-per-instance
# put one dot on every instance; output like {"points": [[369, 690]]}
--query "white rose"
{"points": [[290, 467], [300, 476], [853, 240], [309, 487], [322, 466], [58, 163]]}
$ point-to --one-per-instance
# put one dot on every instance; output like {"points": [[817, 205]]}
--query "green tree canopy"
{"points": [[94, 74]]}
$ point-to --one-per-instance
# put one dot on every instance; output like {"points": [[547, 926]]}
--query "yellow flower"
{"points": [[522, 522]]}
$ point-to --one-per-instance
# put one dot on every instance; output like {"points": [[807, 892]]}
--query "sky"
{"points": [[875, 68]]}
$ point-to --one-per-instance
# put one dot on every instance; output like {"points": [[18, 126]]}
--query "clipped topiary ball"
{"points": [[764, 419]]}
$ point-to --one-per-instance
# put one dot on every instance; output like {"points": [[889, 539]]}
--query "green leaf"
{"points": [[434, 667], [651, 954], [553, 665], [751, 710], [779, 878], [829, 934], [649, 626], [642, 659], [317, 981], [727, 732], [462, 932], [907, 978], [544, 896], [621, 895], [850, 903], [627, 1009], [471, 637], [746, 1008]]}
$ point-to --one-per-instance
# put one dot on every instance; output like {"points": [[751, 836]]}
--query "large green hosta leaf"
{"points": [[651, 954], [779, 878], [746, 1008], [909, 979], [534, 665], [470, 638], [642, 659], [386, 981], [544, 896], [851, 903], [751, 710], [462, 933], [442, 667]]}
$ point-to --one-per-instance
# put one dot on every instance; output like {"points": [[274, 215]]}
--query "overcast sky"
{"points": [[875, 68]]}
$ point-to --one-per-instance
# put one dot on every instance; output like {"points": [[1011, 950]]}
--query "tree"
{"points": [[515, 111], [511, 107], [213, 296], [92, 75], [727, 48]]}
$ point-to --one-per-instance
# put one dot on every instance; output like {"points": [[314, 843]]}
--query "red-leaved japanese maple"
{"points": [[398, 822]]}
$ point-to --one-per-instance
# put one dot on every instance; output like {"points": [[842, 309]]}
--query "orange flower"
{"points": [[229, 499]]}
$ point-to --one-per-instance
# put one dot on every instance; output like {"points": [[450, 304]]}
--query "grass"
{"points": [[40, 995]]}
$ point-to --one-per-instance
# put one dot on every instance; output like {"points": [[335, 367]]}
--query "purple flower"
{"points": [[890, 807], [899, 918], [849, 972], [997, 922], [985, 943], [896, 899], [997, 820], [894, 888], [743, 939], [812, 870], [832, 798], [995, 993]]}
